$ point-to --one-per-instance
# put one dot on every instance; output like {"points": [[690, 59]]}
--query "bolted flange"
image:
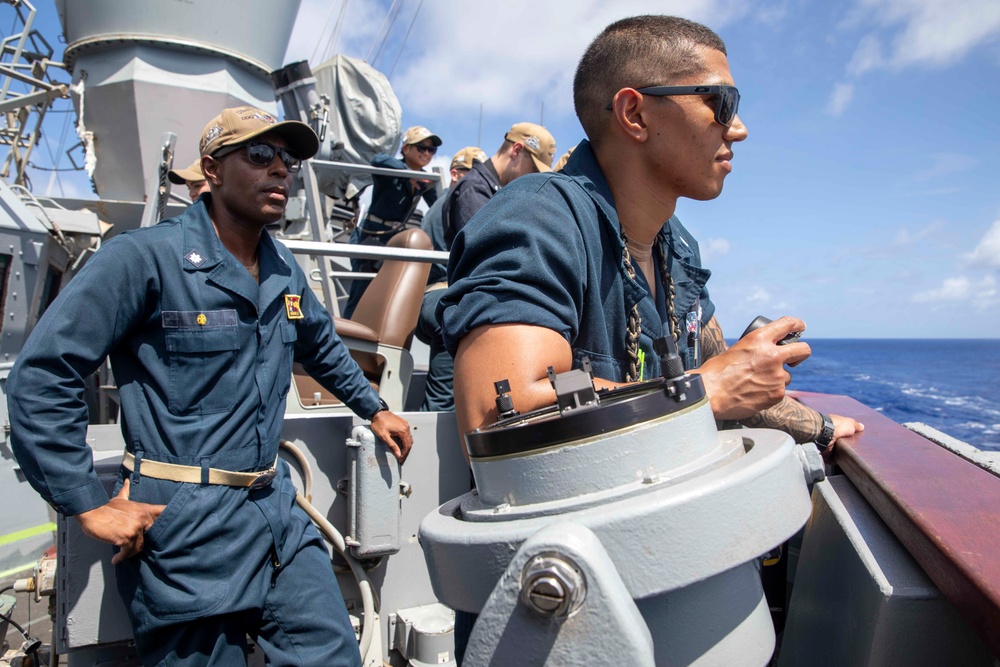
{"points": [[552, 585]]}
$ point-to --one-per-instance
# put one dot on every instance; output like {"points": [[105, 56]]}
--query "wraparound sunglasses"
{"points": [[727, 98]]}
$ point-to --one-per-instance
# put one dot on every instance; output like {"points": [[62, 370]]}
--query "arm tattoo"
{"points": [[712, 342], [803, 423]]}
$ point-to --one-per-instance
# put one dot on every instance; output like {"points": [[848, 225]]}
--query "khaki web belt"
{"points": [[173, 472], [434, 287]]}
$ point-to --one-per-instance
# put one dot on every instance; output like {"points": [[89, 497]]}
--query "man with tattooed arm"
{"points": [[659, 106]]}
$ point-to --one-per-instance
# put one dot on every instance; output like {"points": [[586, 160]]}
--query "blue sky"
{"points": [[864, 200]]}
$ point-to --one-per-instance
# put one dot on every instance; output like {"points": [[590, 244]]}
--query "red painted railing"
{"points": [[945, 510]]}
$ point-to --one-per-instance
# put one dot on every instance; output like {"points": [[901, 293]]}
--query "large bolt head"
{"points": [[552, 586], [546, 595]]}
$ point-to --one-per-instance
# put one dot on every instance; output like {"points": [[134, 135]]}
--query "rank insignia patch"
{"points": [[194, 258], [201, 319], [293, 306]]}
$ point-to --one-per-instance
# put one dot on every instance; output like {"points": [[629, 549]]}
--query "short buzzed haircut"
{"points": [[504, 147], [633, 53]]}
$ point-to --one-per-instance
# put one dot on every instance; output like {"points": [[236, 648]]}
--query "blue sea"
{"points": [[952, 385]]}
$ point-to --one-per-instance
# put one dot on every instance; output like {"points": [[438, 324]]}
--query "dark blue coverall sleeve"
{"points": [[430, 194], [392, 198], [522, 248], [465, 200], [45, 388]]}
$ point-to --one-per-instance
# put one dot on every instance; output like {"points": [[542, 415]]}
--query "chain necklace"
{"points": [[633, 325]]}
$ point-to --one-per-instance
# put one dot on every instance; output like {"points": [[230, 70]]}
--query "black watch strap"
{"points": [[825, 436], [382, 406]]}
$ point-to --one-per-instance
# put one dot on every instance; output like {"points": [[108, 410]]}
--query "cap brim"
{"points": [[542, 167], [300, 138], [182, 176], [435, 139]]}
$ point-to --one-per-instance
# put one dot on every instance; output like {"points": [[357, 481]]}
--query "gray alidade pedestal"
{"points": [[618, 529]]}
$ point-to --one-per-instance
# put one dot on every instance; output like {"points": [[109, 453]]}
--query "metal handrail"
{"points": [[942, 508], [351, 168], [354, 250]]}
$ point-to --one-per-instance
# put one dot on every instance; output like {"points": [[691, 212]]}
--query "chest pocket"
{"points": [[201, 352]]}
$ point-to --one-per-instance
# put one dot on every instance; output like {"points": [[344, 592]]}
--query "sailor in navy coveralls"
{"points": [[394, 199], [202, 317]]}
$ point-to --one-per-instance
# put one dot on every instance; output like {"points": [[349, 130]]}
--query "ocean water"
{"points": [[952, 385]]}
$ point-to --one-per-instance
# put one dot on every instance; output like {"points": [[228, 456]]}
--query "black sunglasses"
{"points": [[426, 149], [262, 154], [727, 98]]}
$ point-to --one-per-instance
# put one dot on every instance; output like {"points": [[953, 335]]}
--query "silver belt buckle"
{"points": [[264, 479]]}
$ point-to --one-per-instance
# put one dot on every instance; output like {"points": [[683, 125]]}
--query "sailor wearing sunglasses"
{"points": [[393, 202], [202, 317], [611, 268]]}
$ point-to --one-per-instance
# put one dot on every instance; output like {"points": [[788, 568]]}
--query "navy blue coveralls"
{"points": [[546, 250], [393, 200], [470, 195], [463, 201], [202, 356], [440, 367], [433, 226]]}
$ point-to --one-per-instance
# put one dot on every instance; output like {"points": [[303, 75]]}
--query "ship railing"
{"points": [[353, 169], [943, 508], [318, 249], [317, 215]]}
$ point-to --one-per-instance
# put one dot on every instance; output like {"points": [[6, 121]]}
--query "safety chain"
{"points": [[633, 326]]}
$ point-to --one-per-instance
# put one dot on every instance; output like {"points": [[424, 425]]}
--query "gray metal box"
{"points": [[860, 599], [373, 496], [89, 611]]}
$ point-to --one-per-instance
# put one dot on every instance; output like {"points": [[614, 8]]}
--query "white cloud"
{"points": [[471, 53], [952, 289], [758, 296], [866, 57], [841, 96], [759, 300], [315, 25], [932, 32], [944, 164], [713, 249], [987, 253], [982, 293], [905, 237]]}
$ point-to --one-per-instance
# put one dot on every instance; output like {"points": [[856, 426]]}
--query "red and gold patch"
{"points": [[293, 306]]}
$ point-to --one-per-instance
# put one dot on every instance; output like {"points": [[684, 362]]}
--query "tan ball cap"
{"points": [[537, 141], [190, 175], [418, 133], [467, 156], [241, 124]]}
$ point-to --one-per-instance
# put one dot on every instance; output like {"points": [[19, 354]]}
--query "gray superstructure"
{"points": [[143, 68]]}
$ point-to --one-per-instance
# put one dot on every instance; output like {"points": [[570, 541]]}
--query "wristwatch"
{"points": [[382, 406], [825, 436]]}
